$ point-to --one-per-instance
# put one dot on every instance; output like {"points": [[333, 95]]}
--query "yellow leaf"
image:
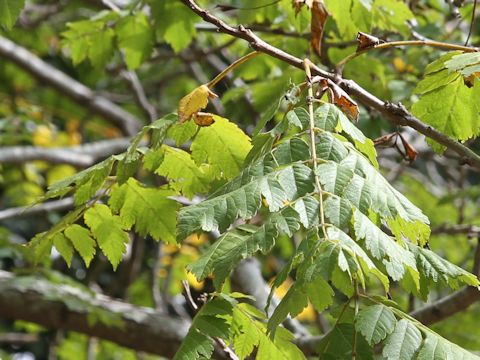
{"points": [[197, 285], [194, 102], [43, 136]]}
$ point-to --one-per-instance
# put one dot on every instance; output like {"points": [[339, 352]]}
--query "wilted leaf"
{"points": [[319, 17], [297, 5], [410, 152], [340, 98], [194, 102], [203, 119], [366, 41]]}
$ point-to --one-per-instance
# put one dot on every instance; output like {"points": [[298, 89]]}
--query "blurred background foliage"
{"points": [[172, 52]]}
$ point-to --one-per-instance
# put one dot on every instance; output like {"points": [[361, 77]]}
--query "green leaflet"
{"points": [[82, 242], [446, 102], [177, 166], [375, 323], [138, 205], [221, 257], [91, 39], [452, 109], [383, 247], [329, 118], [403, 342], [367, 192], [86, 183], [338, 344], [352, 16], [278, 188], [435, 348], [296, 299], [9, 11], [434, 268], [135, 38], [64, 247], [108, 231], [222, 145], [209, 321], [248, 333], [238, 324], [466, 64], [168, 28]]}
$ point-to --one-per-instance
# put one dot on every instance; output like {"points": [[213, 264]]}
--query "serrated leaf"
{"points": [[195, 346], [135, 38], [436, 75], [298, 117], [9, 11], [338, 344], [375, 323], [168, 27], [219, 212], [403, 343], [435, 348], [373, 191], [223, 145], [382, 246], [177, 166], [87, 182], [108, 231], [452, 109], [466, 64], [436, 269], [293, 303], [64, 247], [138, 205], [320, 293], [91, 39], [221, 257], [181, 132], [82, 242], [209, 321]]}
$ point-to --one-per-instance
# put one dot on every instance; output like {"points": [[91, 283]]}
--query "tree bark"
{"points": [[66, 307]]}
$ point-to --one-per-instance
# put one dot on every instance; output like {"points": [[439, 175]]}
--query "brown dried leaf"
{"points": [[344, 101], [194, 102], [410, 152], [366, 41], [203, 119], [319, 17], [469, 81], [297, 5]]}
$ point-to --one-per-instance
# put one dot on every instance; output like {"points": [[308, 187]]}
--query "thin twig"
{"points": [[472, 22], [139, 93], [386, 45], [313, 149]]}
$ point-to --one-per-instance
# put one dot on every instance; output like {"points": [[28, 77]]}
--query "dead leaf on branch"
{"points": [[366, 41], [194, 102], [391, 140], [319, 17], [338, 97], [203, 119]]}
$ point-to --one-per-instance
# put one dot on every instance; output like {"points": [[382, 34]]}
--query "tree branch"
{"points": [[65, 307], [397, 114], [80, 156], [25, 211], [69, 87]]}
